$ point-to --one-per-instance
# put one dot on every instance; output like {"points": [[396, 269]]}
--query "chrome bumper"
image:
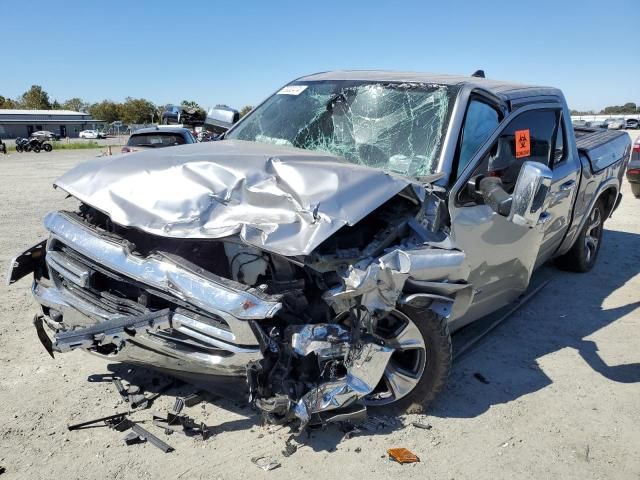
{"points": [[208, 329]]}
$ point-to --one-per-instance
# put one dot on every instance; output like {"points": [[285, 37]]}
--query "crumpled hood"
{"points": [[281, 199]]}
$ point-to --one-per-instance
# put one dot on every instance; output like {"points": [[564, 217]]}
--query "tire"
{"points": [[437, 358], [36, 149], [18, 149], [47, 147], [584, 252], [635, 189]]}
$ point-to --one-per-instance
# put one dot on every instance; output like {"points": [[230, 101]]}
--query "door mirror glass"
{"points": [[529, 194]]}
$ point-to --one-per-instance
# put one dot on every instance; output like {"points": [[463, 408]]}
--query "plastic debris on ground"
{"points": [[402, 455], [265, 463], [423, 426]]}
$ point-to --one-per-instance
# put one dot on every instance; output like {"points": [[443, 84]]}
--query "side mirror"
{"points": [[221, 119], [529, 194]]}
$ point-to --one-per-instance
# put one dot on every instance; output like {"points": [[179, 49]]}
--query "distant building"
{"points": [[22, 123]]}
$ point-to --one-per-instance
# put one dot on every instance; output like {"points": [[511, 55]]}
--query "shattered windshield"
{"points": [[395, 127]]}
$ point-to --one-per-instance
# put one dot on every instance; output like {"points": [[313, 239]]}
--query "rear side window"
{"points": [[157, 139], [480, 122]]}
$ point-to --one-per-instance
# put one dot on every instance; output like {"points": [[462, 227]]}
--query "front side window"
{"points": [[395, 127], [480, 122], [528, 137]]}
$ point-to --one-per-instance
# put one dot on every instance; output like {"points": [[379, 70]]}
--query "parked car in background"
{"points": [[179, 115], [596, 124], [632, 124], [220, 119], [158, 138], [91, 134], [579, 123], [616, 123], [633, 172], [45, 135]]}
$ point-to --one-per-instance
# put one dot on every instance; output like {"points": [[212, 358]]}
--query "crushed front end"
{"points": [[301, 288]]}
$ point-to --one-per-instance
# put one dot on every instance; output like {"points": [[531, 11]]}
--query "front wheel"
{"points": [[418, 369], [36, 149], [18, 149], [47, 147], [584, 252], [635, 189]]}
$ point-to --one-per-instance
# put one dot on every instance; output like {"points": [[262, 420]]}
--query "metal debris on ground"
{"points": [[376, 423], [351, 432], [174, 422], [193, 399], [144, 435], [265, 463], [145, 402], [120, 388], [423, 426], [132, 438], [402, 455], [108, 420], [290, 447]]}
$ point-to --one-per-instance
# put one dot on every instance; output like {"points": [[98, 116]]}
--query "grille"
{"points": [[112, 292]]}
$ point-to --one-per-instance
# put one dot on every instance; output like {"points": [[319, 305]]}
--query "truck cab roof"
{"points": [[505, 90]]}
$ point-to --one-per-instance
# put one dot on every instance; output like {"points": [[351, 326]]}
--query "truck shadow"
{"points": [[504, 365]]}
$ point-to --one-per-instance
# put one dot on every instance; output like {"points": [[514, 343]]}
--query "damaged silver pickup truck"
{"points": [[332, 240]]}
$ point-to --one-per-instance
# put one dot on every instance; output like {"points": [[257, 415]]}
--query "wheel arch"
{"points": [[609, 195]]}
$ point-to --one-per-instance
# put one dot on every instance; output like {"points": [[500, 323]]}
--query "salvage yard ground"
{"points": [[552, 393]]}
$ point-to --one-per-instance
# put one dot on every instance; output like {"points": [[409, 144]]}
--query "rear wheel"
{"points": [[584, 252], [36, 149], [18, 149], [418, 369], [47, 147], [635, 189]]}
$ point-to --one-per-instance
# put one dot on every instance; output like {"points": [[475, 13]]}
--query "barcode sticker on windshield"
{"points": [[292, 90]]}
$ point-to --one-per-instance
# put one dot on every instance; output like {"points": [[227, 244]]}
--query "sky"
{"points": [[237, 53]]}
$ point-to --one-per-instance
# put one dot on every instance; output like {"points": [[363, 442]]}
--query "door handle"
{"points": [[568, 186]]}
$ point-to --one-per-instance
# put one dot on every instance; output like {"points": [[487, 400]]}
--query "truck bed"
{"points": [[601, 147]]}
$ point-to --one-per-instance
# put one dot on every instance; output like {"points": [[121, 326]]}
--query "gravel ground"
{"points": [[552, 393]]}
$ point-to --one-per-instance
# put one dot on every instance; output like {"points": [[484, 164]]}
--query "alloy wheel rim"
{"points": [[592, 237], [406, 365]]}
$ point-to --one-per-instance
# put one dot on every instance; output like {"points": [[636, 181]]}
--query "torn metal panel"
{"points": [[282, 199], [380, 282], [366, 365]]}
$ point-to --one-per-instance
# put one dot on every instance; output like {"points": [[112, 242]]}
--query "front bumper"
{"points": [[205, 327]]}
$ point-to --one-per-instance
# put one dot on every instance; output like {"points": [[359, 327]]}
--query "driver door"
{"points": [[500, 253]]}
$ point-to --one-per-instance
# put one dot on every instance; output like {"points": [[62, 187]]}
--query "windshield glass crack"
{"points": [[394, 127]]}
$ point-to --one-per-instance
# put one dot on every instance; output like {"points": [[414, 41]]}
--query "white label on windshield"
{"points": [[292, 90]]}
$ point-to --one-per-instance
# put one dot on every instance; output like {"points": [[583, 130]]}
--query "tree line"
{"points": [[131, 111], [628, 108]]}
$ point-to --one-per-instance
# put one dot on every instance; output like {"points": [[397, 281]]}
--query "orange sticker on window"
{"points": [[523, 143]]}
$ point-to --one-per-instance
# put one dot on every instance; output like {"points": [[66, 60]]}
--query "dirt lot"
{"points": [[556, 395]]}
